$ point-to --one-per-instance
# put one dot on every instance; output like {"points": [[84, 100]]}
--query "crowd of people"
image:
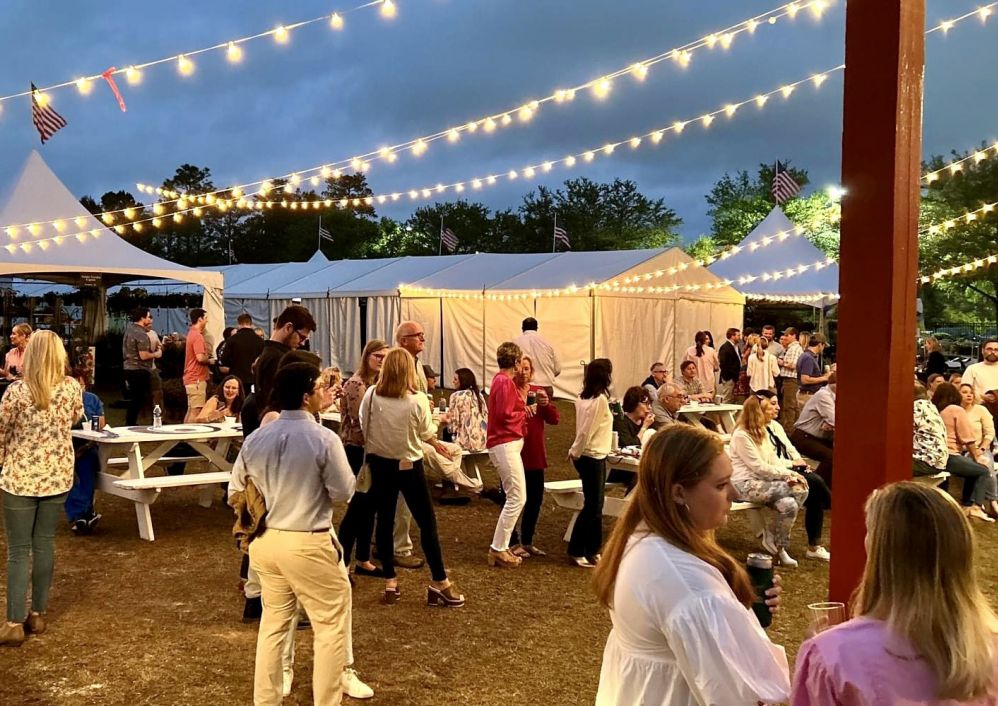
{"points": [[669, 586]]}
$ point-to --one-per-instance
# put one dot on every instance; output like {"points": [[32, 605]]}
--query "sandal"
{"points": [[534, 551], [519, 551], [504, 559]]}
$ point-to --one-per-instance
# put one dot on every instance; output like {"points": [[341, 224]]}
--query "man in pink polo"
{"points": [[197, 360]]}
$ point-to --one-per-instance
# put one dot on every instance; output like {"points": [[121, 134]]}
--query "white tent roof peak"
{"points": [[38, 196], [319, 256]]}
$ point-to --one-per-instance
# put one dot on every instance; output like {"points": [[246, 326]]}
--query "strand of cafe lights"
{"points": [[599, 87], [238, 201], [359, 164], [233, 49]]}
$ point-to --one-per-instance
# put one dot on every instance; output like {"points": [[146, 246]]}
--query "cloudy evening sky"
{"points": [[327, 95]]}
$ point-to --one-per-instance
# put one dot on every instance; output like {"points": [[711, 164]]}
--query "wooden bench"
{"points": [[122, 461], [146, 490], [934, 480]]}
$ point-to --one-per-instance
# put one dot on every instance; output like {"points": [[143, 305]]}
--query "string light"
{"points": [[955, 166], [134, 72], [234, 53], [964, 218]]}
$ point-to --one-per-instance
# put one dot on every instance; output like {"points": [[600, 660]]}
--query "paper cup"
{"points": [[826, 615], [231, 421]]}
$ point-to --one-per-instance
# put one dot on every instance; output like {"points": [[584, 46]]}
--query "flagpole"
{"points": [[318, 244], [554, 234], [440, 243]]}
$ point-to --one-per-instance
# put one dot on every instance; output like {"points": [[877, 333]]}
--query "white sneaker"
{"points": [[768, 545], [819, 553], [354, 687], [289, 678], [786, 560]]}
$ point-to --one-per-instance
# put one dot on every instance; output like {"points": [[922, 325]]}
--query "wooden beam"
{"points": [[881, 162]]}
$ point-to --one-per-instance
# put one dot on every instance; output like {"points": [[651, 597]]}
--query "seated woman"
{"points": [[923, 631], [467, 414], [965, 458], [683, 632], [760, 477], [819, 497], [226, 402], [636, 419], [982, 423]]}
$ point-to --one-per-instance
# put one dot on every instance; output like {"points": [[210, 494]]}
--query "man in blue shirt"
{"points": [[80, 501], [809, 376]]}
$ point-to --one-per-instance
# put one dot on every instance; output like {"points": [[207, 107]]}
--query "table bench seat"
{"points": [[935, 480], [122, 461], [157, 482]]}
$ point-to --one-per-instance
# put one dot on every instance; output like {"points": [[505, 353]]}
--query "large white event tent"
{"points": [[83, 245], [776, 246], [623, 305]]}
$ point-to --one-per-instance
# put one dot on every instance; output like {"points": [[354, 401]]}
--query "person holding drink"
{"points": [[683, 633], [922, 631]]}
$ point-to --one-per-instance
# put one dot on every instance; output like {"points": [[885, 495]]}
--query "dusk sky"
{"points": [[325, 95]]}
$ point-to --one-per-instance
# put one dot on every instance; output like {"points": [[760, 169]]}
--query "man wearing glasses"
{"points": [[410, 335], [667, 404], [983, 376], [659, 374]]}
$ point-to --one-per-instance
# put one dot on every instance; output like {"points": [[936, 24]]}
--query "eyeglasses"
{"points": [[303, 336], [656, 372], [420, 336], [378, 356]]}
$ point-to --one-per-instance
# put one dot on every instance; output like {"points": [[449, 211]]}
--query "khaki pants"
{"points": [[727, 391], [789, 409], [196, 397], [306, 567]]}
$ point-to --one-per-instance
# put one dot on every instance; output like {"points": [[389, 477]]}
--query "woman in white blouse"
{"points": [[683, 630], [396, 421], [760, 477], [762, 368]]}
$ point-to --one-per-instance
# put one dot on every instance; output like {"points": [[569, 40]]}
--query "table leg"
{"points": [[143, 514], [218, 457]]}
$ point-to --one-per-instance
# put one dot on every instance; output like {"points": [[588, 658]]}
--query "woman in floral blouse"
{"points": [[358, 523], [36, 451], [467, 414]]}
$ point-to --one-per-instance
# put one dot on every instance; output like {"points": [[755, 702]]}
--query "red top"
{"points": [[193, 370], [507, 412], [534, 454]]}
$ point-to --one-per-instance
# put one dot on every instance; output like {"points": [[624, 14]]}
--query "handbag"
{"points": [[363, 483]]}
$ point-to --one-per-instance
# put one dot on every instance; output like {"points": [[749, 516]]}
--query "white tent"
{"points": [[83, 245], [777, 246]]}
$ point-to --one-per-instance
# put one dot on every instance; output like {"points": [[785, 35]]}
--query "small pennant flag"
{"points": [[46, 120], [449, 239], [561, 236], [784, 186], [325, 234]]}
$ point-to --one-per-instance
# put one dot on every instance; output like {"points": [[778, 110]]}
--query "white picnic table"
{"points": [[330, 416], [726, 414], [123, 447]]}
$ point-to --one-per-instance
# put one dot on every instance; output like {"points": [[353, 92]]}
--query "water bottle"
{"points": [[157, 417], [760, 571]]}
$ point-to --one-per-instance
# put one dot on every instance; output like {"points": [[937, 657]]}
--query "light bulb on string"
{"points": [[84, 86], [336, 21], [133, 76], [281, 34], [234, 53], [184, 65], [388, 9]]}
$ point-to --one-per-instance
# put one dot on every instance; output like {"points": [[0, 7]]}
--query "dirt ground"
{"points": [[134, 622]]}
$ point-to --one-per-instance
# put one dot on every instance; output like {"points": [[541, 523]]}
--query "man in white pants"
{"points": [[300, 469]]}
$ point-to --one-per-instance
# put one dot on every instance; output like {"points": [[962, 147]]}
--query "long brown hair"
{"points": [[679, 454], [753, 418], [929, 596], [364, 372]]}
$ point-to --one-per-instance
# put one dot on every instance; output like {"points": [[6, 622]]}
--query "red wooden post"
{"points": [[881, 161]]}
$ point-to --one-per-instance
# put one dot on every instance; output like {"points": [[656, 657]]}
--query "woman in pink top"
{"points": [[923, 633], [507, 427], [706, 359], [965, 459]]}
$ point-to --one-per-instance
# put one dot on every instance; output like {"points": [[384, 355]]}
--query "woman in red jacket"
{"points": [[540, 411]]}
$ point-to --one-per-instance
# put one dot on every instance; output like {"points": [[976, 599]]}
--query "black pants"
{"points": [[358, 523], [387, 481], [587, 535], [531, 509], [818, 449], [139, 384], [819, 499]]}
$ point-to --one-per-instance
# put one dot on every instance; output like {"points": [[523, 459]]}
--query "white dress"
{"points": [[680, 637]]}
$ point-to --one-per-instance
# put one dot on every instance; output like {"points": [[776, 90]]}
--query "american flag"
{"points": [[784, 186], [449, 239], [325, 234], [46, 120], [561, 235]]}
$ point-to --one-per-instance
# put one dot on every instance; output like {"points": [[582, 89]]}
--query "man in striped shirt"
{"points": [[789, 409]]}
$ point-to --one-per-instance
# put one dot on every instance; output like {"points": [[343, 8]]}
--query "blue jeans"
{"points": [[80, 502], [973, 475], [30, 524]]}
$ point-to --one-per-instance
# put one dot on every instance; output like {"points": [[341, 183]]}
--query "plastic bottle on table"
{"points": [[157, 417]]}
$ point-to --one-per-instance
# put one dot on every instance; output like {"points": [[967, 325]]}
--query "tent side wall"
{"points": [[634, 333], [567, 324]]}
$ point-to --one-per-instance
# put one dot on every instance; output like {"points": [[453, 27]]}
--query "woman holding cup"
{"points": [[683, 633], [922, 631]]}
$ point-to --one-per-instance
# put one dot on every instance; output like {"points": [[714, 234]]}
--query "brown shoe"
{"points": [[504, 559], [12, 635], [35, 623], [444, 597], [409, 562]]}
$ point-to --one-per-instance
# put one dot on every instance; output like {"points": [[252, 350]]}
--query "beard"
{"points": [[991, 357]]}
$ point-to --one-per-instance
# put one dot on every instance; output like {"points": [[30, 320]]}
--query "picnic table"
{"points": [[726, 414], [124, 462]]}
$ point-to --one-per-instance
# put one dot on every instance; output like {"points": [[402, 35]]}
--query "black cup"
{"points": [[760, 570], [531, 398]]}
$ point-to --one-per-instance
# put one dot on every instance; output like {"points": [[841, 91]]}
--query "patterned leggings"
{"points": [[783, 499]]}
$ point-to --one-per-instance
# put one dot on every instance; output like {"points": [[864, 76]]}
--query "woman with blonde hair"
{"points": [[922, 631], [935, 361], [760, 477], [36, 451], [762, 368], [683, 632], [396, 420], [13, 364]]}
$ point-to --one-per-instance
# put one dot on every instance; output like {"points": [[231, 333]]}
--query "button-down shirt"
{"points": [[299, 467], [136, 339], [790, 357], [542, 355], [818, 410], [929, 436]]}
